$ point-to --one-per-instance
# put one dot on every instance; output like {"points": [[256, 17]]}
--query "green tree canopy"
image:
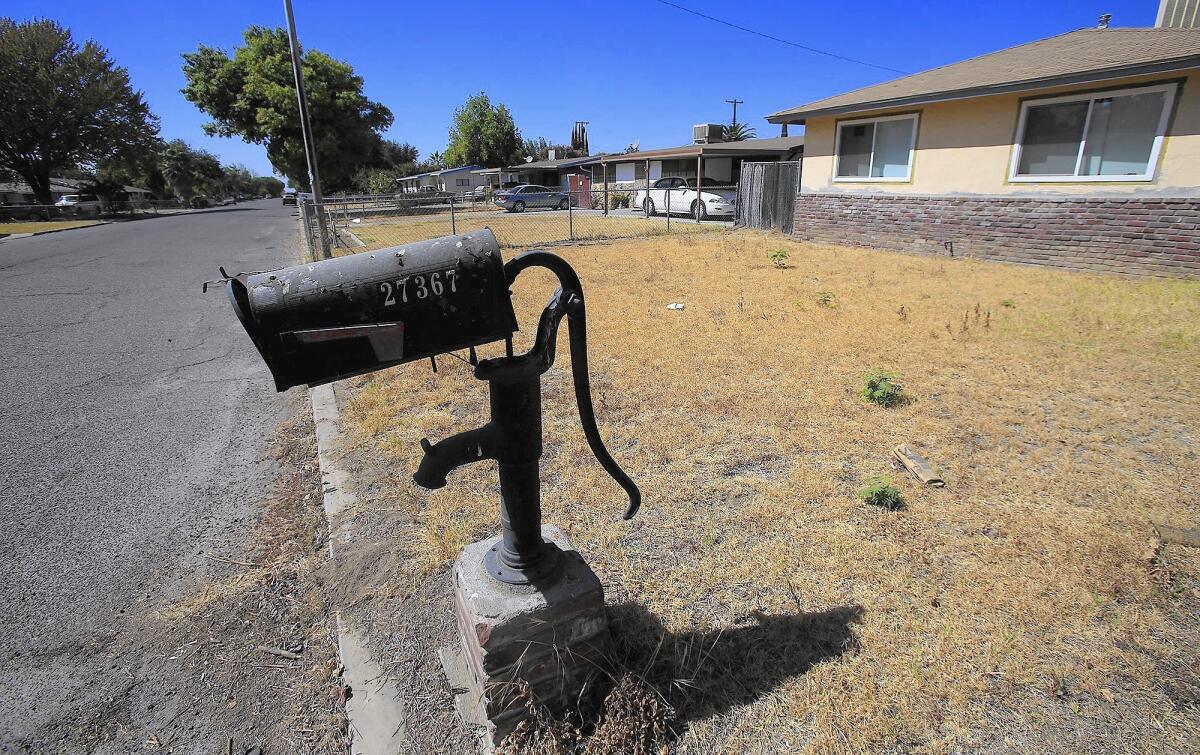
{"points": [[63, 105], [190, 171], [252, 95], [483, 134], [268, 185]]}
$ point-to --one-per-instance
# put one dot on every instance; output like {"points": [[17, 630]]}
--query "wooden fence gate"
{"points": [[766, 196]]}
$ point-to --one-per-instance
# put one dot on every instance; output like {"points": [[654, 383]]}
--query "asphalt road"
{"points": [[133, 416]]}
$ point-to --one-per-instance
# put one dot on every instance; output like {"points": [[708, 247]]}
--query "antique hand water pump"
{"points": [[513, 437], [528, 607], [336, 318]]}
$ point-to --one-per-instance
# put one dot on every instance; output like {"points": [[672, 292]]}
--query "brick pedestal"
{"points": [[551, 635]]}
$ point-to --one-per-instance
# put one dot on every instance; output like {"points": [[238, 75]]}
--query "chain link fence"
{"points": [[522, 216]]}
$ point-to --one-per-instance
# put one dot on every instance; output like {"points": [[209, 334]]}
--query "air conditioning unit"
{"points": [[708, 133]]}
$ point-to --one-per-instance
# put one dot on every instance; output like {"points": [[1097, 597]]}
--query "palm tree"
{"points": [[739, 132], [178, 166]]}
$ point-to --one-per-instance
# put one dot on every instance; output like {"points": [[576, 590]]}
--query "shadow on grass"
{"points": [[706, 673]]}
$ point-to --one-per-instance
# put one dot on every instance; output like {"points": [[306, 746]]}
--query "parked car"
{"points": [[480, 192], [77, 200], [289, 196], [677, 196], [227, 201], [531, 195]]}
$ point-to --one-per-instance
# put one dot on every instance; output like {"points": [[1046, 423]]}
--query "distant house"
{"points": [[1081, 150], [551, 173], [17, 193], [718, 161], [454, 180]]}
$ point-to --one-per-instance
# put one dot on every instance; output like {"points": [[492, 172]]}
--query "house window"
{"points": [[462, 182], [1106, 136], [875, 149]]}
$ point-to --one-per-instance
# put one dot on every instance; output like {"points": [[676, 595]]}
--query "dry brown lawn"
{"points": [[515, 229], [44, 226], [1027, 606]]}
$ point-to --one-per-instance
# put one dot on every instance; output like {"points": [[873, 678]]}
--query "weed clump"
{"points": [[779, 257], [826, 299], [881, 388], [880, 491]]}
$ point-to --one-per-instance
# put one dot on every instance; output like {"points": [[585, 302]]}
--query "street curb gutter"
{"points": [[374, 707]]}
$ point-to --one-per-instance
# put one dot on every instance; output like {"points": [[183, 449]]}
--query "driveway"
{"points": [[135, 414]]}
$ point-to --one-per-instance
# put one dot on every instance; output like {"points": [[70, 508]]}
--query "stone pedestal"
{"points": [[552, 635]]}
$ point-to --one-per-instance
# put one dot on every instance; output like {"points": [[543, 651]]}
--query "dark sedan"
{"points": [[518, 198]]}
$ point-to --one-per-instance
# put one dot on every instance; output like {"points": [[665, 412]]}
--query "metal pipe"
{"points": [[310, 149], [604, 167]]}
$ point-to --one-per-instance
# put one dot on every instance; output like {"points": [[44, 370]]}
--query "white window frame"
{"points": [[912, 149], [1151, 164]]}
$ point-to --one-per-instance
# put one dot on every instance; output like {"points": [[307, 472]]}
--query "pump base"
{"points": [[551, 634]]}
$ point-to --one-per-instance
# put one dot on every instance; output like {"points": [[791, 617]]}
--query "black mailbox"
{"points": [[336, 318]]}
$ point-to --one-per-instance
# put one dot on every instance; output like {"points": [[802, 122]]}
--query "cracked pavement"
{"points": [[131, 434]]}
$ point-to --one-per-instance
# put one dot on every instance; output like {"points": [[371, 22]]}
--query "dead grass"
{"points": [[44, 226], [514, 229], [1023, 607]]}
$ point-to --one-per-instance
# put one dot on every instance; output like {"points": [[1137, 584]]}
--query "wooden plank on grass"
{"points": [[918, 466]]}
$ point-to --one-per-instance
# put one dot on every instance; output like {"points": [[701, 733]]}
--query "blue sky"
{"points": [[636, 69]]}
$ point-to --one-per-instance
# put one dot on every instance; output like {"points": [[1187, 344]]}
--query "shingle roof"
{"points": [[1075, 57]]}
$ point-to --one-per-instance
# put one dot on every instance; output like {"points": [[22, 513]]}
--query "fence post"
{"points": [[667, 209], [604, 167], [453, 224], [570, 213]]}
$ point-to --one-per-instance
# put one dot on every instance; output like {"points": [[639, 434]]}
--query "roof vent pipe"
{"points": [[1104, 19]]}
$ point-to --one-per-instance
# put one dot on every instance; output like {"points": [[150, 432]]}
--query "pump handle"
{"points": [[569, 297]]}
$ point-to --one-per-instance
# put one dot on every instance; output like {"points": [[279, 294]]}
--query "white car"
{"points": [[78, 200], [677, 196]]}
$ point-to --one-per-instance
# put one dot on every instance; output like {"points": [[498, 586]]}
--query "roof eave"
{"points": [[799, 115]]}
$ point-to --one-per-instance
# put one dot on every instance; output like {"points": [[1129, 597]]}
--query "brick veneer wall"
{"points": [[1140, 235]]}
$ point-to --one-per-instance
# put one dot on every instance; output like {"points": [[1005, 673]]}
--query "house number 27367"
{"points": [[418, 287]]}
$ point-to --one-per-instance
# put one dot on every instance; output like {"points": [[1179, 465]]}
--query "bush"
{"points": [[618, 199], [879, 491], [881, 388]]}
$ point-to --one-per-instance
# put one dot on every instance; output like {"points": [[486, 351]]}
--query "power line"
{"points": [[777, 39]]}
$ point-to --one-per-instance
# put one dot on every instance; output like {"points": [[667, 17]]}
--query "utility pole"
{"points": [[310, 149], [735, 102]]}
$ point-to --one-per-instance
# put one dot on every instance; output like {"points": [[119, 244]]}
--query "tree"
{"points": [[539, 149], [191, 171], [739, 132], [579, 140], [376, 181], [435, 161], [483, 135], [142, 170], [267, 185], [392, 155], [252, 95], [64, 105]]}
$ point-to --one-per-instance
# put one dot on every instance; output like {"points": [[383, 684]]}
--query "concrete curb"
{"points": [[374, 708]]}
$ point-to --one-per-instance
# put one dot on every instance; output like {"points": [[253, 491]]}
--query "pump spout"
{"points": [[445, 456]]}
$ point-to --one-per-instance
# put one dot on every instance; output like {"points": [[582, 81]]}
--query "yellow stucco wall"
{"points": [[965, 146]]}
